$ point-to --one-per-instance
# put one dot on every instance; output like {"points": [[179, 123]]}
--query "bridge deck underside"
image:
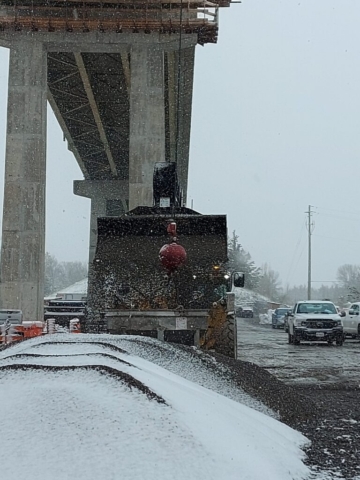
{"points": [[89, 95]]}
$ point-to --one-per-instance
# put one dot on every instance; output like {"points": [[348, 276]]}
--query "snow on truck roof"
{"points": [[316, 301]]}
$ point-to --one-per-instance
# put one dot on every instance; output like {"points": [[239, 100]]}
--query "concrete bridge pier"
{"points": [[147, 121], [108, 198], [23, 228]]}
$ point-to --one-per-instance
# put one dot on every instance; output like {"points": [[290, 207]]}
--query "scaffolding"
{"points": [[136, 16]]}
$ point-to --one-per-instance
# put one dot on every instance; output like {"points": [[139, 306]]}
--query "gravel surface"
{"points": [[314, 388], [328, 415], [335, 433]]}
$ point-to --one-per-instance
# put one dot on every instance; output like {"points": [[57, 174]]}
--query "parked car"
{"points": [[245, 312], [315, 321], [351, 321], [278, 317]]}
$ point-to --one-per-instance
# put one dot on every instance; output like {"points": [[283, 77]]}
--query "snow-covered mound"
{"points": [[266, 318], [78, 288], [248, 297], [89, 408]]}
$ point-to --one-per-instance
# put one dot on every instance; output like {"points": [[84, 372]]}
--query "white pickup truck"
{"points": [[315, 321], [351, 321]]}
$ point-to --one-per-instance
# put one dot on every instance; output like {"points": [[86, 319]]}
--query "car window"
{"points": [[316, 308], [355, 308]]}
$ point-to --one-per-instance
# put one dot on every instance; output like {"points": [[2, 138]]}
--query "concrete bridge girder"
{"points": [[98, 42]]}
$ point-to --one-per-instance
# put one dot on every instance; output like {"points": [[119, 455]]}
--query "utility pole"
{"points": [[310, 226]]}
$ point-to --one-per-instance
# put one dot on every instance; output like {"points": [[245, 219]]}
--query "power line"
{"points": [[300, 256], [338, 211], [337, 216], [337, 238], [325, 281], [295, 251]]}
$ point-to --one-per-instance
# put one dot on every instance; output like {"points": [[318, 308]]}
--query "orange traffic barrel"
{"points": [[75, 326]]}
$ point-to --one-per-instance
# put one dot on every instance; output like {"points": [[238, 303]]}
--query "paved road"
{"points": [[306, 363]]}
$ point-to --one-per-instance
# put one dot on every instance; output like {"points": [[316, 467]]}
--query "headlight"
{"points": [[303, 324], [338, 323]]}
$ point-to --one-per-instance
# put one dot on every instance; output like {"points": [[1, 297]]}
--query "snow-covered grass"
{"points": [[84, 424]]}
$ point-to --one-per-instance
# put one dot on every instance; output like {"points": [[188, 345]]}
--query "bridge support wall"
{"points": [[147, 121], [23, 228]]}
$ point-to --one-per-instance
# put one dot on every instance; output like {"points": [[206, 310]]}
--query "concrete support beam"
{"points": [[103, 195], [147, 122], [99, 42], [172, 103], [125, 59], [187, 61], [23, 228]]}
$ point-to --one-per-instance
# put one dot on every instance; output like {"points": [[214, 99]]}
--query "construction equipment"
{"points": [[186, 296]]}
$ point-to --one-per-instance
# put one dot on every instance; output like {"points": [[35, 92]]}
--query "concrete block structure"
{"points": [[118, 75]]}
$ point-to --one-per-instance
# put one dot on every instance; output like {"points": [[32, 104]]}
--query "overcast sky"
{"points": [[275, 127]]}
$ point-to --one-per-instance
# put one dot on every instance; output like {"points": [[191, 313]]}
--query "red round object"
{"points": [[172, 255]]}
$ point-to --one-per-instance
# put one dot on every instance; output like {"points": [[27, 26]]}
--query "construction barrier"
{"points": [[75, 326]]}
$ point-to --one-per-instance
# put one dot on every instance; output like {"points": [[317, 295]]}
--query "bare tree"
{"points": [[61, 275], [349, 276], [269, 283]]}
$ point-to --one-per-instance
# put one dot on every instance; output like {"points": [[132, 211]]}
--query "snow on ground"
{"points": [[165, 355], [243, 296], [77, 288], [266, 318], [78, 423]]}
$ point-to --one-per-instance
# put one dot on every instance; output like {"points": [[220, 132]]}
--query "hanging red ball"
{"points": [[172, 255]]}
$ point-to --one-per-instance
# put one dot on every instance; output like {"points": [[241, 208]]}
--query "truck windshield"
{"points": [[316, 308]]}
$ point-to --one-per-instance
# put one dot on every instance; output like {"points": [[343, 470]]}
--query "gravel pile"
{"points": [[328, 415], [335, 433]]}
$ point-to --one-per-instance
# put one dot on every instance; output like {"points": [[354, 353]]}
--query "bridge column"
{"points": [[108, 198], [23, 228], [147, 121], [178, 111], [187, 60]]}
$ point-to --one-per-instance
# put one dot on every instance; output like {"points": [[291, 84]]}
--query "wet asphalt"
{"points": [[318, 395], [308, 363]]}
